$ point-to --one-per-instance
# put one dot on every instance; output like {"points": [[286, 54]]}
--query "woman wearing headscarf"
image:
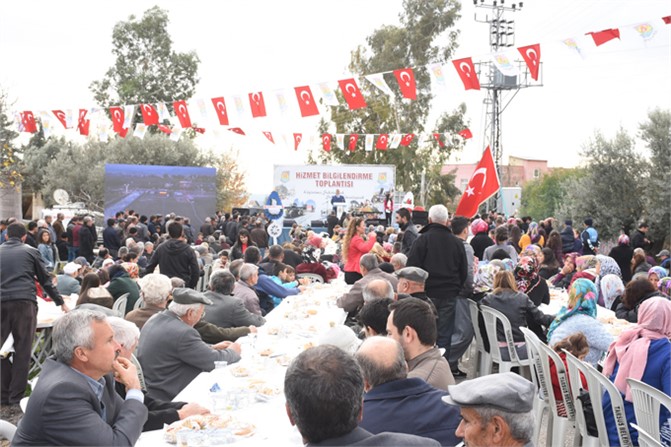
{"points": [[612, 289], [622, 253], [586, 268], [655, 274], [530, 283], [605, 266], [483, 281], [565, 276], [481, 239], [664, 286], [636, 292], [579, 315], [642, 353], [639, 262], [531, 237]]}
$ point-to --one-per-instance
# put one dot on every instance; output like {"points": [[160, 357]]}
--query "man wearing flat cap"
{"points": [[172, 353], [496, 410], [411, 281]]}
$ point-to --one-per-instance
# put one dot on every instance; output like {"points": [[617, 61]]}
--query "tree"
{"points": [[10, 175], [231, 188], [147, 70], [542, 198], [422, 36], [611, 189], [656, 133]]}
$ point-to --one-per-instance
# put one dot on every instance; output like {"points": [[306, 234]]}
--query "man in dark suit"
{"points": [[324, 391], [227, 310], [74, 402]]}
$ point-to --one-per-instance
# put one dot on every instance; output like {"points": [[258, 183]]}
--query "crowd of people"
{"points": [[408, 300]]}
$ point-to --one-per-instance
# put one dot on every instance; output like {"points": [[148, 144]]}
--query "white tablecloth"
{"points": [[293, 326]]}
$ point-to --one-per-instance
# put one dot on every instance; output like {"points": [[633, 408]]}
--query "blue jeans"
{"points": [[446, 307], [72, 253]]}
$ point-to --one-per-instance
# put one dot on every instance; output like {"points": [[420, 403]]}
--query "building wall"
{"points": [[517, 172]]}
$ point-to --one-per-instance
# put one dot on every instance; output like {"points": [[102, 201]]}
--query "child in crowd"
{"points": [[284, 275], [577, 345]]}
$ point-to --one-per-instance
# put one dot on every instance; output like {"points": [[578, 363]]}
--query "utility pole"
{"points": [[501, 89]]}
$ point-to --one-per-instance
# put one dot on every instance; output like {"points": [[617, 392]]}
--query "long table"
{"points": [[251, 391]]}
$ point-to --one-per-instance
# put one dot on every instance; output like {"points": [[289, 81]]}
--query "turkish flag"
{"points": [[149, 114], [220, 108], [269, 136], [406, 82], [437, 137], [163, 128], [182, 113], [667, 20], [257, 105], [601, 37], [382, 142], [352, 94], [306, 101], [61, 117], [83, 123], [123, 133], [466, 71], [237, 130], [483, 184], [298, 137], [28, 121], [407, 139], [532, 56], [326, 142], [466, 134], [117, 115], [352, 142]]}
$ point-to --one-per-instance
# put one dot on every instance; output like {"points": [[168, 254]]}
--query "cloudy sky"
{"points": [[51, 51]]}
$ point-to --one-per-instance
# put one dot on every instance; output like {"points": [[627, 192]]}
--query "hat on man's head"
{"points": [[507, 392], [81, 260], [71, 267], [663, 253], [182, 295], [414, 274]]}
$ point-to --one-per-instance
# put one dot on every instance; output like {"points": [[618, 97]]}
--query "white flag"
{"points": [[282, 101], [395, 140], [330, 99], [340, 140], [128, 112], [103, 135], [239, 105], [378, 81], [645, 31], [437, 73], [370, 139], [47, 124], [176, 133], [505, 63], [140, 130], [163, 112], [70, 118]]}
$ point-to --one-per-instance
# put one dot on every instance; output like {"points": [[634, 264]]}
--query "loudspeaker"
{"points": [[420, 217], [288, 223], [317, 224], [376, 222]]}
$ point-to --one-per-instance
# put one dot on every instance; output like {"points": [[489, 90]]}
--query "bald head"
{"points": [[381, 360], [377, 289]]}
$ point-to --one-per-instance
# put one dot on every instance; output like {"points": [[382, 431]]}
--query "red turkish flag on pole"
{"points": [[117, 115], [466, 134], [532, 56], [352, 141], [269, 136], [61, 117], [182, 113], [306, 101], [326, 142], [298, 137], [466, 71], [382, 142], [83, 123], [28, 121], [406, 82], [407, 139], [352, 94], [257, 105], [483, 184], [220, 107], [437, 137], [601, 37], [149, 114]]}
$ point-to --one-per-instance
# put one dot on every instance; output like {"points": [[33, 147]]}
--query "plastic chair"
{"points": [[204, 280], [119, 305], [491, 316], [575, 368], [560, 423], [539, 379], [312, 276], [644, 438], [483, 361], [138, 304], [647, 402], [598, 384], [7, 430]]}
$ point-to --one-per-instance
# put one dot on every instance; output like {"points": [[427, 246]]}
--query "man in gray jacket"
{"points": [[352, 301], [172, 352], [227, 310]]}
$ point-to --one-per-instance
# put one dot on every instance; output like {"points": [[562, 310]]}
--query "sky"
{"points": [[52, 51]]}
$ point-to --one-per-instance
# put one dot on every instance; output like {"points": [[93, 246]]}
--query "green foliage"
{"points": [[422, 36], [10, 175], [147, 70], [543, 197]]}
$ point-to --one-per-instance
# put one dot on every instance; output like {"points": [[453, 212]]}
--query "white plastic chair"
{"points": [[491, 316], [575, 368], [313, 277], [539, 379], [7, 430], [560, 423], [138, 304], [598, 385], [483, 361], [119, 305], [647, 402], [644, 438]]}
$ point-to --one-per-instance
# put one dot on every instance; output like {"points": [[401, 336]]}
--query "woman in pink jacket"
{"points": [[354, 246]]}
